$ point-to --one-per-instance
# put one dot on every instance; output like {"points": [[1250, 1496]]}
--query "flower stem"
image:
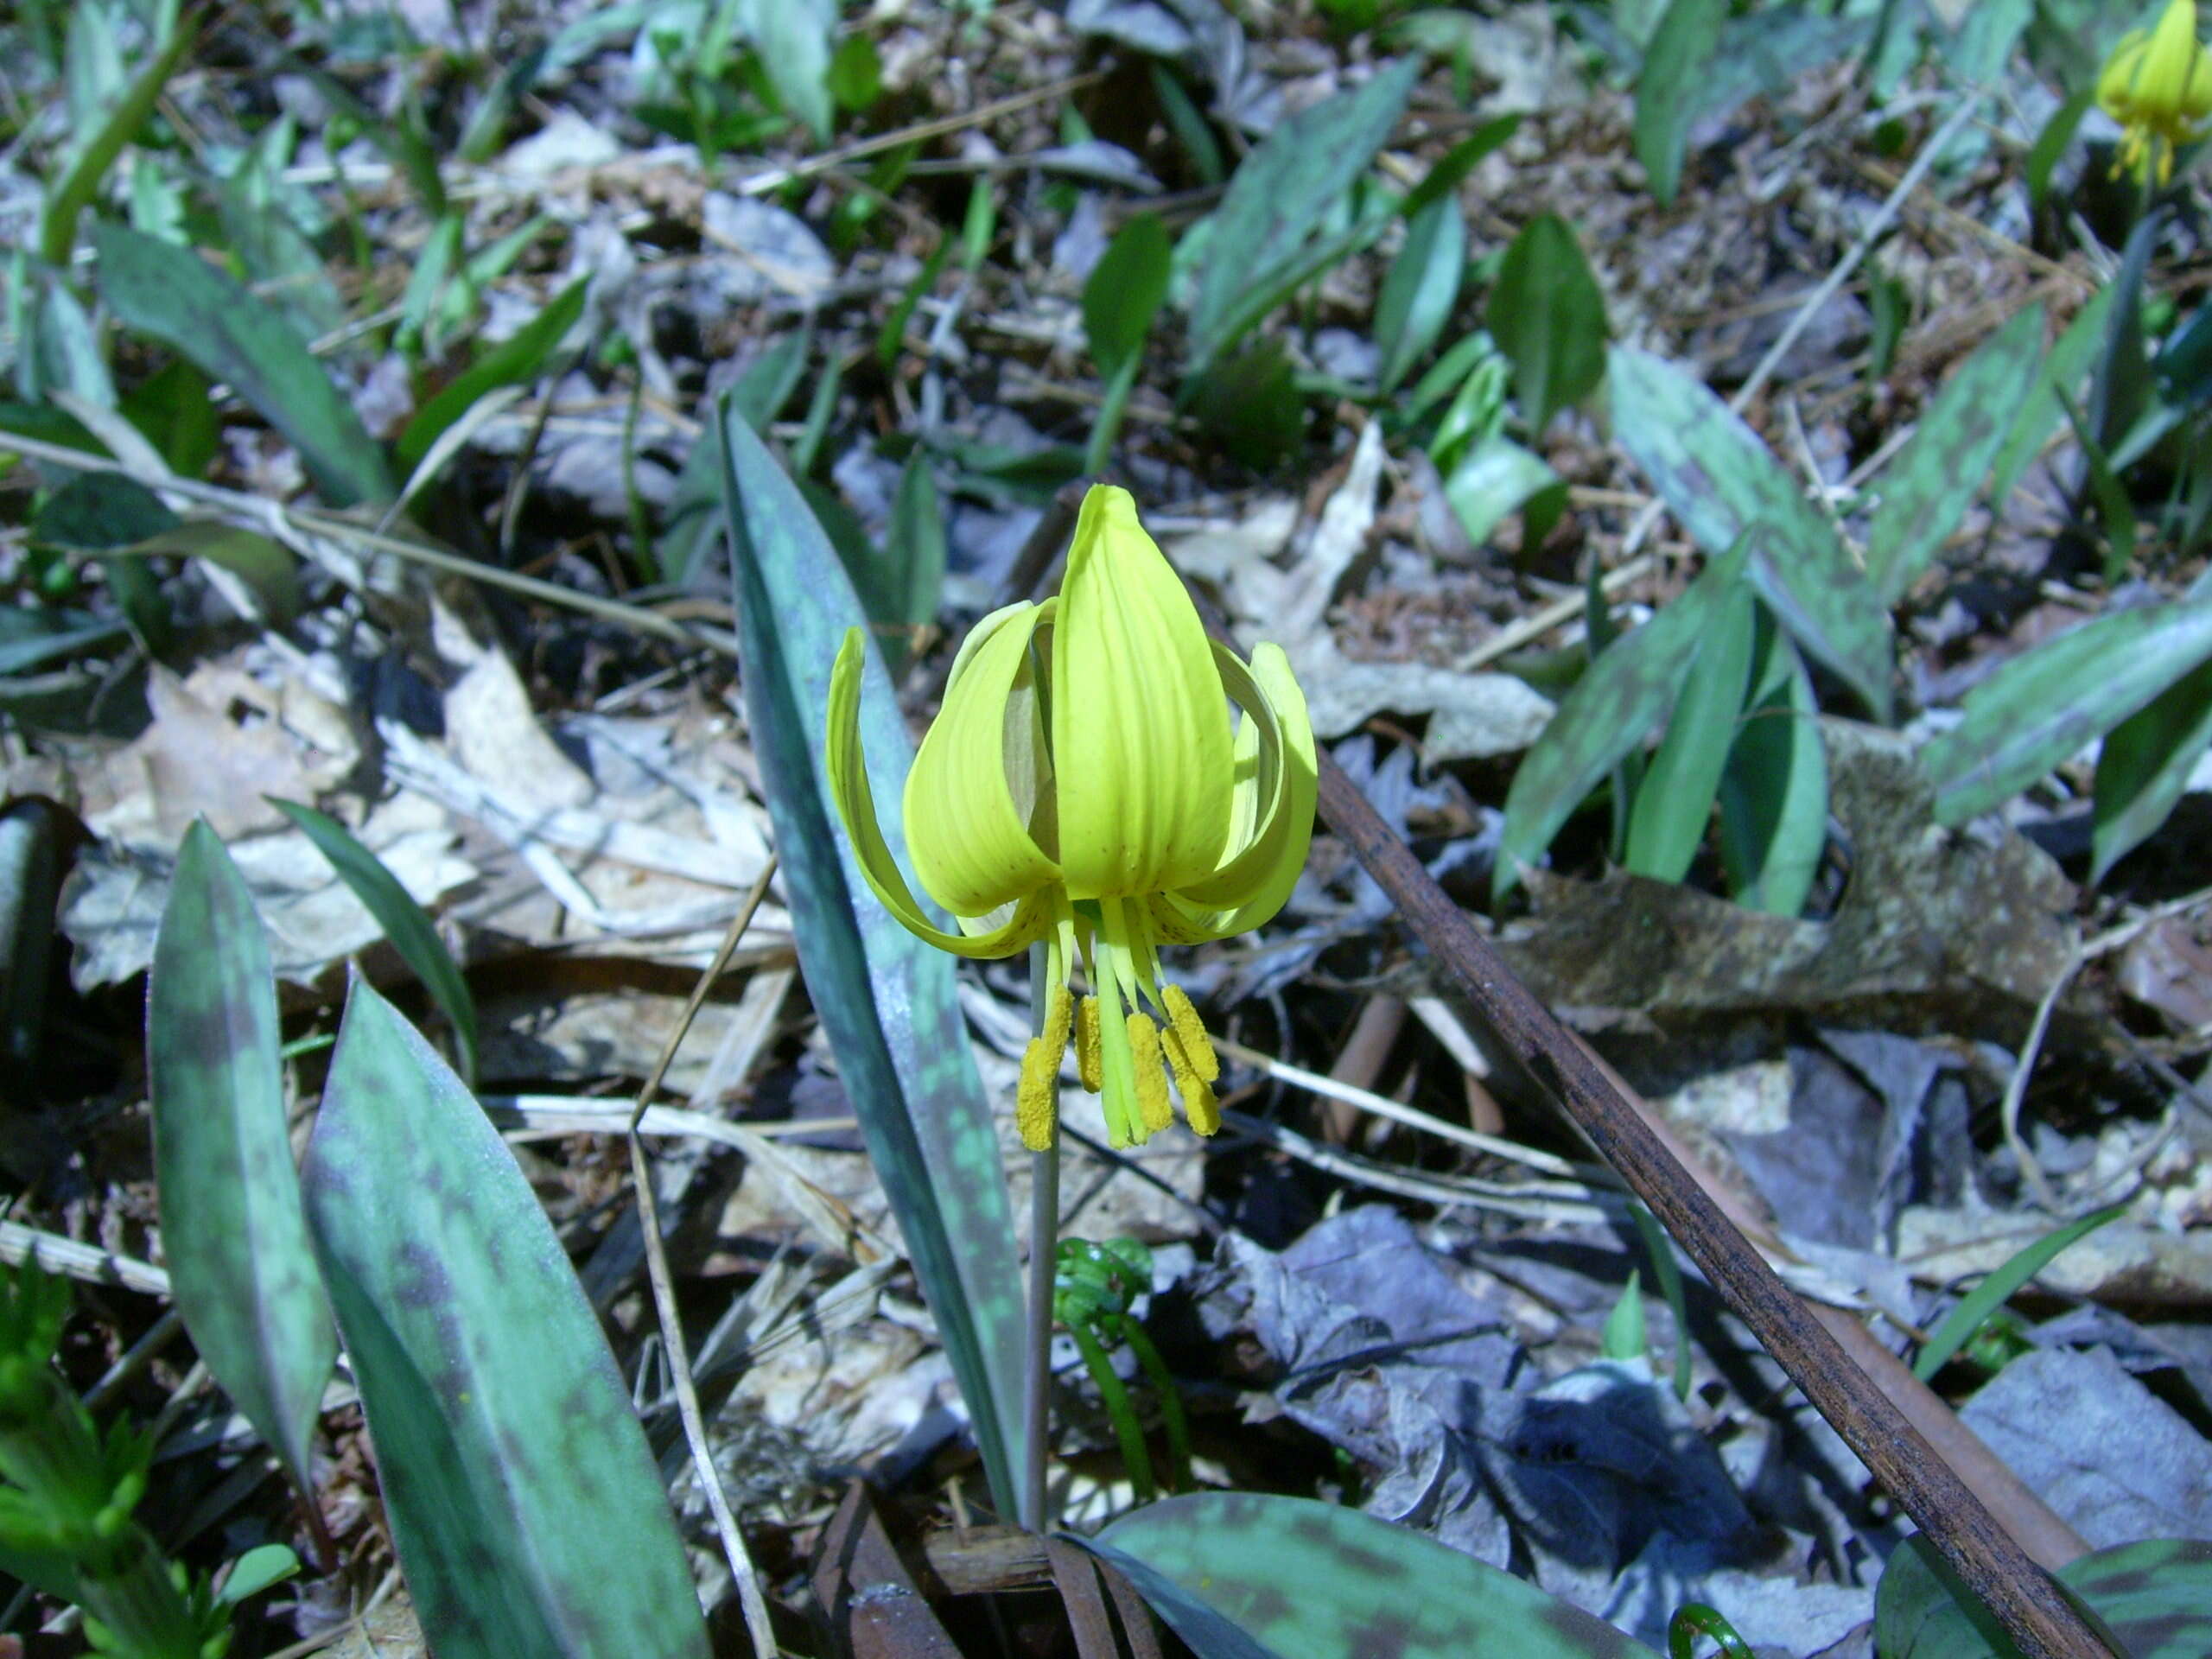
{"points": [[1044, 1238]]}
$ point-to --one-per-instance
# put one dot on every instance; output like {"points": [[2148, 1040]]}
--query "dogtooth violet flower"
{"points": [[1085, 786], [2157, 85]]}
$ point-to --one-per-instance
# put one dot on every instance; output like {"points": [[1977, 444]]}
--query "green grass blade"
{"points": [[1668, 1272], [240, 1263], [73, 191], [1246, 1576], [886, 1000], [519, 357], [403, 921], [524, 1502], [1993, 1292]]}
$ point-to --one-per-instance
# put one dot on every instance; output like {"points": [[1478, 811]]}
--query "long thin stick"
{"points": [[1994, 1567], [663, 1283]]}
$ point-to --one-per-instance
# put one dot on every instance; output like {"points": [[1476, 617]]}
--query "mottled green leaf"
{"points": [[887, 1001], [1621, 699], [2145, 766], [1547, 315], [524, 1502], [1774, 796], [2049, 703], [1249, 1575], [1934, 478], [2154, 1599], [172, 295], [1720, 481], [1675, 801], [1670, 87], [1125, 291], [412, 933], [240, 1264], [515, 360], [1419, 292], [1997, 1288], [1264, 234], [2064, 366]]}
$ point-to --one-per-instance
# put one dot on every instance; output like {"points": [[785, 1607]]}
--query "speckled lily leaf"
{"points": [[888, 1000], [1248, 1575], [1933, 479], [2048, 703], [156, 288], [527, 1511], [240, 1263], [1719, 479], [1621, 699], [1265, 232], [2154, 1597]]}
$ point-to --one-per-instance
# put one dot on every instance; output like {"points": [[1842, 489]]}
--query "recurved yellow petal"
{"points": [[977, 784], [849, 786], [1140, 726], [2115, 86], [1256, 881], [2163, 77]]}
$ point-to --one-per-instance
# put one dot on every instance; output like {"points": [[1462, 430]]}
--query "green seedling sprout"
{"points": [[1094, 1285]]}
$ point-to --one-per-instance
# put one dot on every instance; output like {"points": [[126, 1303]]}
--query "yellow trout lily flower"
{"points": [[1084, 786], [2157, 85]]}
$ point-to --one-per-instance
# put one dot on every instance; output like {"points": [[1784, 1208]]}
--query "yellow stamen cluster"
{"points": [[1178, 1048], [2157, 85]]}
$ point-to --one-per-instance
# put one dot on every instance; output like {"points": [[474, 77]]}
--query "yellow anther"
{"points": [[1152, 1079], [1088, 1060], [1059, 1012], [1037, 1102], [1190, 1033], [1200, 1107]]}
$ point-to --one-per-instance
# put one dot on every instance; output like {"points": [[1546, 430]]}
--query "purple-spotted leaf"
{"points": [[2155, 1599], [2049, 703], [1934, 478], [886, 1000], [240, 1265], [1248, 1575], [524, 1502], [1717, 477]]}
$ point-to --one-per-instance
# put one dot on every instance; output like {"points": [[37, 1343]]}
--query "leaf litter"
{"points": [[576, 801]]}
